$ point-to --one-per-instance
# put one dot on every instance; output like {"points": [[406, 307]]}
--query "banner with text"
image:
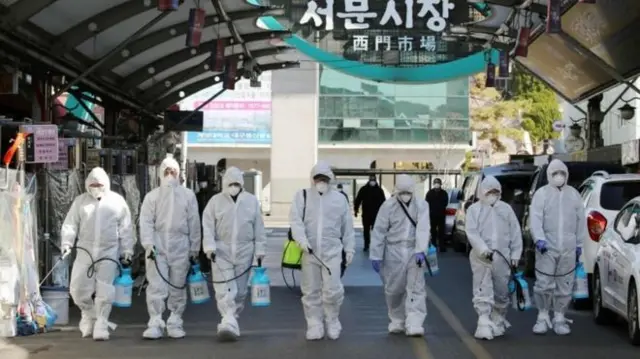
{"points": [[240, 116]]}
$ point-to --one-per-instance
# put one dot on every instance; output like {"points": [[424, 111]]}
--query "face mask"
{"points": [[405, 198], [96, 192], [203, 184], [322, 187], [558, 180], [169, 181], [233, 190], [436, 186], [492, 199], [372, 183]]}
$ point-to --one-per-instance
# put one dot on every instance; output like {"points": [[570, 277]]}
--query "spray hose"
{"points": [[520, 297], [152, 256], [293, 275]]}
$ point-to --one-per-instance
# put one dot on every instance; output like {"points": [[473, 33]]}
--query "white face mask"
{"points": [[405, 198], [436, 185], [372, 183], [558, 180], [233, 190], [322, 187], [491, 199], [96, 192], [203, 184], [169, 181]]}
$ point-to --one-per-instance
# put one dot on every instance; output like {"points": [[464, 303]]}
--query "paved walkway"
{"points": [[277, 332]]}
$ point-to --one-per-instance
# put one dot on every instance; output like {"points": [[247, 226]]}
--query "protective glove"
{"points": [[420, 259], [211, 255], [126, 258], [304, 245], [66, 251], [541, 246], [150, 252], [487, 256], [376, 264], [194, 255], [348, 258], [578, 253]]}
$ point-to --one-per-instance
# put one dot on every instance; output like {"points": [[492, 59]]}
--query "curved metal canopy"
{"points": [[131, 52]]}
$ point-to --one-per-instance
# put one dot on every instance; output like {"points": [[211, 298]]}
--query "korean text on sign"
{"points": [[357, 14]]}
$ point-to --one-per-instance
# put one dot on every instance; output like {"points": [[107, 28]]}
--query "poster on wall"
{"points": [[240, 116]]}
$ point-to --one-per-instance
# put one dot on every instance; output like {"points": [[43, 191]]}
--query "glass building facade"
{"points": [[353, 110]]}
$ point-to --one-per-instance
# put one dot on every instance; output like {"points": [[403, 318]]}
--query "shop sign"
{"points": [[358, 15]]}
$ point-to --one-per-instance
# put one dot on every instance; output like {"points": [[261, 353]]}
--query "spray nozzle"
{"points": [[259, 262]]}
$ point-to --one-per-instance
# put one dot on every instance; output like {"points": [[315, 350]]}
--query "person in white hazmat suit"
{"points": [[491, 226], [99, 222], [397, 252], [170, 235], [558, 227], [233, 235], [325, 230]]}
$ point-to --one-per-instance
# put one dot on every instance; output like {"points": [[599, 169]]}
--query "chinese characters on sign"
{"points": [[41, 144], [358, 15], [404, 43]]}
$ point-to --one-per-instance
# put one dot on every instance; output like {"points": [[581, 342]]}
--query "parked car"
{"points": [[514, 178], [450, 212], [578, 172], [616, 274], [603, 195]]}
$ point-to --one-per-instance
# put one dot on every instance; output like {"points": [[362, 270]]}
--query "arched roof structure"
{"points": [[132, 52]]}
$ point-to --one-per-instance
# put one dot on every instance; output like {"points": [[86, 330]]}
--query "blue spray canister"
{"points": [[522, 283], [198, 288], [581, 285], [124, 288], [432, 261], [260, 287]]}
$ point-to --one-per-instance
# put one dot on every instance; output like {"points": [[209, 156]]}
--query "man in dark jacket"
{"points": [[438, 200], [370, 196]]}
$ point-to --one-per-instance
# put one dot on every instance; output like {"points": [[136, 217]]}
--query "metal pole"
{"points": [[114, 51]]}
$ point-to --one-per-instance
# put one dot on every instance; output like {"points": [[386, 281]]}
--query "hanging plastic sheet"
{"points": [[22, 310]]}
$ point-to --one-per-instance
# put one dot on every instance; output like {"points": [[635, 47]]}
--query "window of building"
{"points": [[354, 110]]}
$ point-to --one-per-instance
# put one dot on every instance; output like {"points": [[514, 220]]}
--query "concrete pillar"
{"points": [[294, 132]]}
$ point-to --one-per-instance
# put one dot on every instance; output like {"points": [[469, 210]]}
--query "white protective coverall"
{"points": [[396, 241], [102, 227], [170, 222], [492, 228], [233, 229], [557, 217], [327, 229]]}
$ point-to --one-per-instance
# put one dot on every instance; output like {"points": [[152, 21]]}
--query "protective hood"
{"points": [[232, 175], [98, 175], [322, 168], [557, 165], [404, 183], [168, 163], [489, 183]]}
